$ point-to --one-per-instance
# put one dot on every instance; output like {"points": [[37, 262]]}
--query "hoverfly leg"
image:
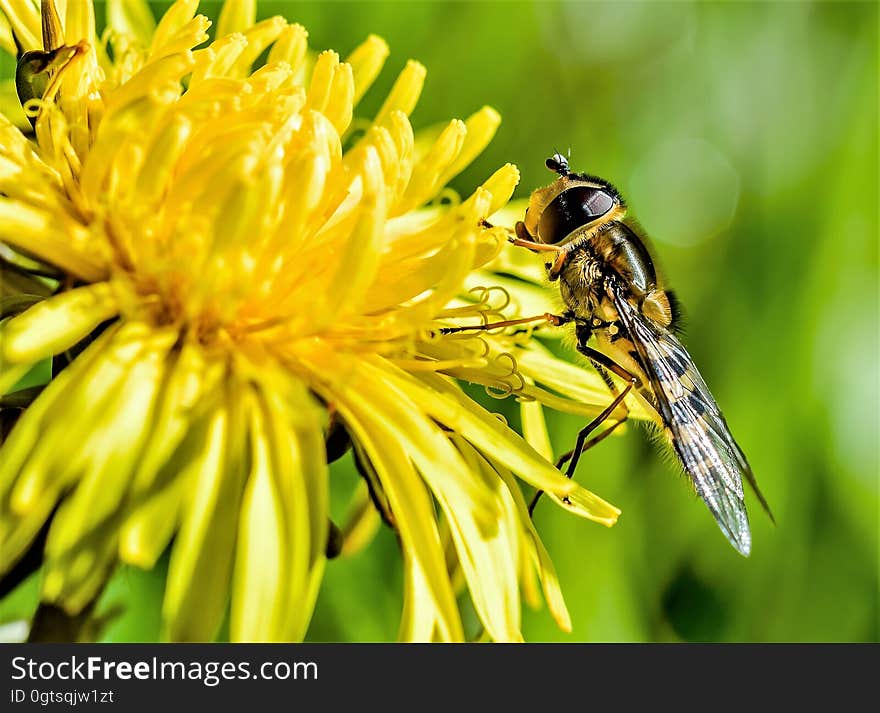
{"points": [[555, 270], [554, 320], [582, 444], [537, 247], [523, 239], [592, 442], [602, 363], [612, 366]]}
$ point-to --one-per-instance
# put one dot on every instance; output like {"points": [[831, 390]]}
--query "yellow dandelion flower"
{"points": [[231, 283]]}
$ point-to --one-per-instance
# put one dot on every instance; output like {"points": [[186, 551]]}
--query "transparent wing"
{"points": [[694, 424]]}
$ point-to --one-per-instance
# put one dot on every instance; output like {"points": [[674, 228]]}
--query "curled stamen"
{"points": [[486, 295], [32, 108], [498, 393], [483, 293], [508, 357], [446, 197], [483, 308], [492, 315], [522, 383]]}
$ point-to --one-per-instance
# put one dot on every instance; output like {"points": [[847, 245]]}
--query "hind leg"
{"points": [[601, 362]]}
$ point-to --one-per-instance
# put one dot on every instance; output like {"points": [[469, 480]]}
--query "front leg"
{"points": [[554, 320], [523, 239], [554, 269], [533, 246]]}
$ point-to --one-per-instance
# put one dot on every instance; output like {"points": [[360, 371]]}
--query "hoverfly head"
{"points": [[571, 202]]}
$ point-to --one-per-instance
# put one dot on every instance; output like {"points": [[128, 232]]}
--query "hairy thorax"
{"points": [[580, 283]]}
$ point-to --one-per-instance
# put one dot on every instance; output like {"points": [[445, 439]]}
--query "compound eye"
{"points": [[572, 209]]}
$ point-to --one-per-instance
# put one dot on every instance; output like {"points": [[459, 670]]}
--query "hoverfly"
{"points": [[626, 322]]}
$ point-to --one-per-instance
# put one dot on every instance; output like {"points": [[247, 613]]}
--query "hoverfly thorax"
{"points": [[574, 202]]}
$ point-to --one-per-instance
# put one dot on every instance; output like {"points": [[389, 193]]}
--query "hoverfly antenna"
{"points": [[558, 164]]}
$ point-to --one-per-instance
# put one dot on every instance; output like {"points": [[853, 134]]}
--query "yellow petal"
{"points": [[215, 61], [489, 559], [258, 37], [290, 46], [404, 94], [49, 238], [79, 24], [366, 62], [420, 621], [189, 378], [236, 16], [203, 548], [361, 523], [17, 532], [164, 151], [428, 173], [56, 324], [117, 438], [149, 528], [500, 186], [359, 257], [501, 444], [174, 19], [283, 526], [36, 468], [131, 18], [30, 427], [24, 17], [535, 428], [75, 580], [585, 504], [68, 444], [538, 554], [264, 550], [7, 41], [480, 129], [412, 511], [581, 383]]}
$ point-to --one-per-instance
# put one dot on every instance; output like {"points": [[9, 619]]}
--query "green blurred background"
{"points": [[745, 138]]}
